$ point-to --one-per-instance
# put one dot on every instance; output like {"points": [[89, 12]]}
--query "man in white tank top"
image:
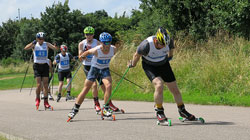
{"points": [[99, 68], [63, 60], [83, 46], [41, 67], [156, 52]]}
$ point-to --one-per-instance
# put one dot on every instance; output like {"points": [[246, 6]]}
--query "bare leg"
{"points": [[172, 86], [158, 94], [38, 87]]}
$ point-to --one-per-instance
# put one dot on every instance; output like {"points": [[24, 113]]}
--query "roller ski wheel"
{"points": [[112, 117], [166, 122], [71, 115], [201, 120]]}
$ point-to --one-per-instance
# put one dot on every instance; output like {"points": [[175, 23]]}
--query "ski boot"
{"points": [[37, 103], [186, 116], [50, 97], [107, 112], [115, 109], [162, 119], [97, 105], [58, 97], [68, 97], [72, 114], [46, 105]]}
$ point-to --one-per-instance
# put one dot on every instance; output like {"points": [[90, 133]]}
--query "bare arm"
{"points": [[80, 49], [30, 46], [88, 52], [135, 59], [53, 47]]}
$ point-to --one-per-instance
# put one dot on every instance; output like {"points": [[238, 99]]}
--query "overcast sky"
{"points": [[28, 8]]}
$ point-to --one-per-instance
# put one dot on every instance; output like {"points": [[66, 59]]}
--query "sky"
{"points": [[33, 8]]}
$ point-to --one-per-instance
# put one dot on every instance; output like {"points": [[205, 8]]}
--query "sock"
{"points": [[158, 106], [77, 106], [68, 93], [95, 98]]}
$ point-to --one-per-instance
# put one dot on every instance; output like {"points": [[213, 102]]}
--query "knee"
{"points": [[108, 86], [159, 86]]}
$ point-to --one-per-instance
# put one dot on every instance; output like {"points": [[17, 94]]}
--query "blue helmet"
{"points": [[105, 37], [40, 35]]}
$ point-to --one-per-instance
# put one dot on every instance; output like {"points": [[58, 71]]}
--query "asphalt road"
{"points": [[19, 118]]}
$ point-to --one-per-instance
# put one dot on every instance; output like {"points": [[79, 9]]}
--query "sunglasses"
{"points": [[106, 42], [89, 34], [40, 38]]}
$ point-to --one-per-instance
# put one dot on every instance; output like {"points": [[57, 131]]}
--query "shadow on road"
{"points": [[206, 123]]}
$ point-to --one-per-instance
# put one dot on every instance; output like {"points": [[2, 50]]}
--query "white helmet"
{"points": [[40, 35]]}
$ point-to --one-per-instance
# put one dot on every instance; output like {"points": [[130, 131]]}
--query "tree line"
{"points": [[197, 18]]}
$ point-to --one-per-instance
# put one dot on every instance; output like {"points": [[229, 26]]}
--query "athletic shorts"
{"points": [[41, 70], [62, 75], [95, 73], [86, 71], [164, 71]]}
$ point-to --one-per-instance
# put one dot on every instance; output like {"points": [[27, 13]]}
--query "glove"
{"points": [[130, 65], [34, 42], [76, 57]]}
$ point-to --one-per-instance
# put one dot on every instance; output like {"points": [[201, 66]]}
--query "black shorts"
{"points": [[41, 70], [62, 75], [86, 71], [163, 71]]}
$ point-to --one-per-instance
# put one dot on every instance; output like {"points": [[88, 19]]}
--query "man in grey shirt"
{"points": [[156, 52]]}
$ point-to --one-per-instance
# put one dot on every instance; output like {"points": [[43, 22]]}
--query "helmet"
{"points": [[105, 38], [89, 30], [162, 36], [40, 35], [63, 48]]}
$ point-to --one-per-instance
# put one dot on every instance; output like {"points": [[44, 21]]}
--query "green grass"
{"points": [[3, 138], [16, 81]]}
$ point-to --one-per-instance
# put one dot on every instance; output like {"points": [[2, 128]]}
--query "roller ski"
{"points": [[162, 119], [97, 106], [58, 97], [186, 116], [200, 119], [68, 97], [37, 103], [106, 112], [72, 114], [115, 109], [47, 106]]}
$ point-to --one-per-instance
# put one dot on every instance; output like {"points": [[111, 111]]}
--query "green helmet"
{"points": [[89, 30]]}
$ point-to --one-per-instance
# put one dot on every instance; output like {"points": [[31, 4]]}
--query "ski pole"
{"points": [[72, 78], [51, 81], [32, 85], [117, 86], [127, 79], [26, 71]]}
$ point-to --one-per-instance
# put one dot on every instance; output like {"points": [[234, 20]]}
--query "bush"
{"points": [[7, 61]]}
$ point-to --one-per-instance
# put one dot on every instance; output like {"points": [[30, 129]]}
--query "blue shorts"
{"points": [[95, 73]]}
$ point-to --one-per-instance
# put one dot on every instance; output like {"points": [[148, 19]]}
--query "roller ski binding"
{"points": [[186, 116], [115, 109], [50, 97], [162, 120], [97, 106], [68, 97], [106, 112], [72, 114], [47, 106], [58, 97], [37, 103]]}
